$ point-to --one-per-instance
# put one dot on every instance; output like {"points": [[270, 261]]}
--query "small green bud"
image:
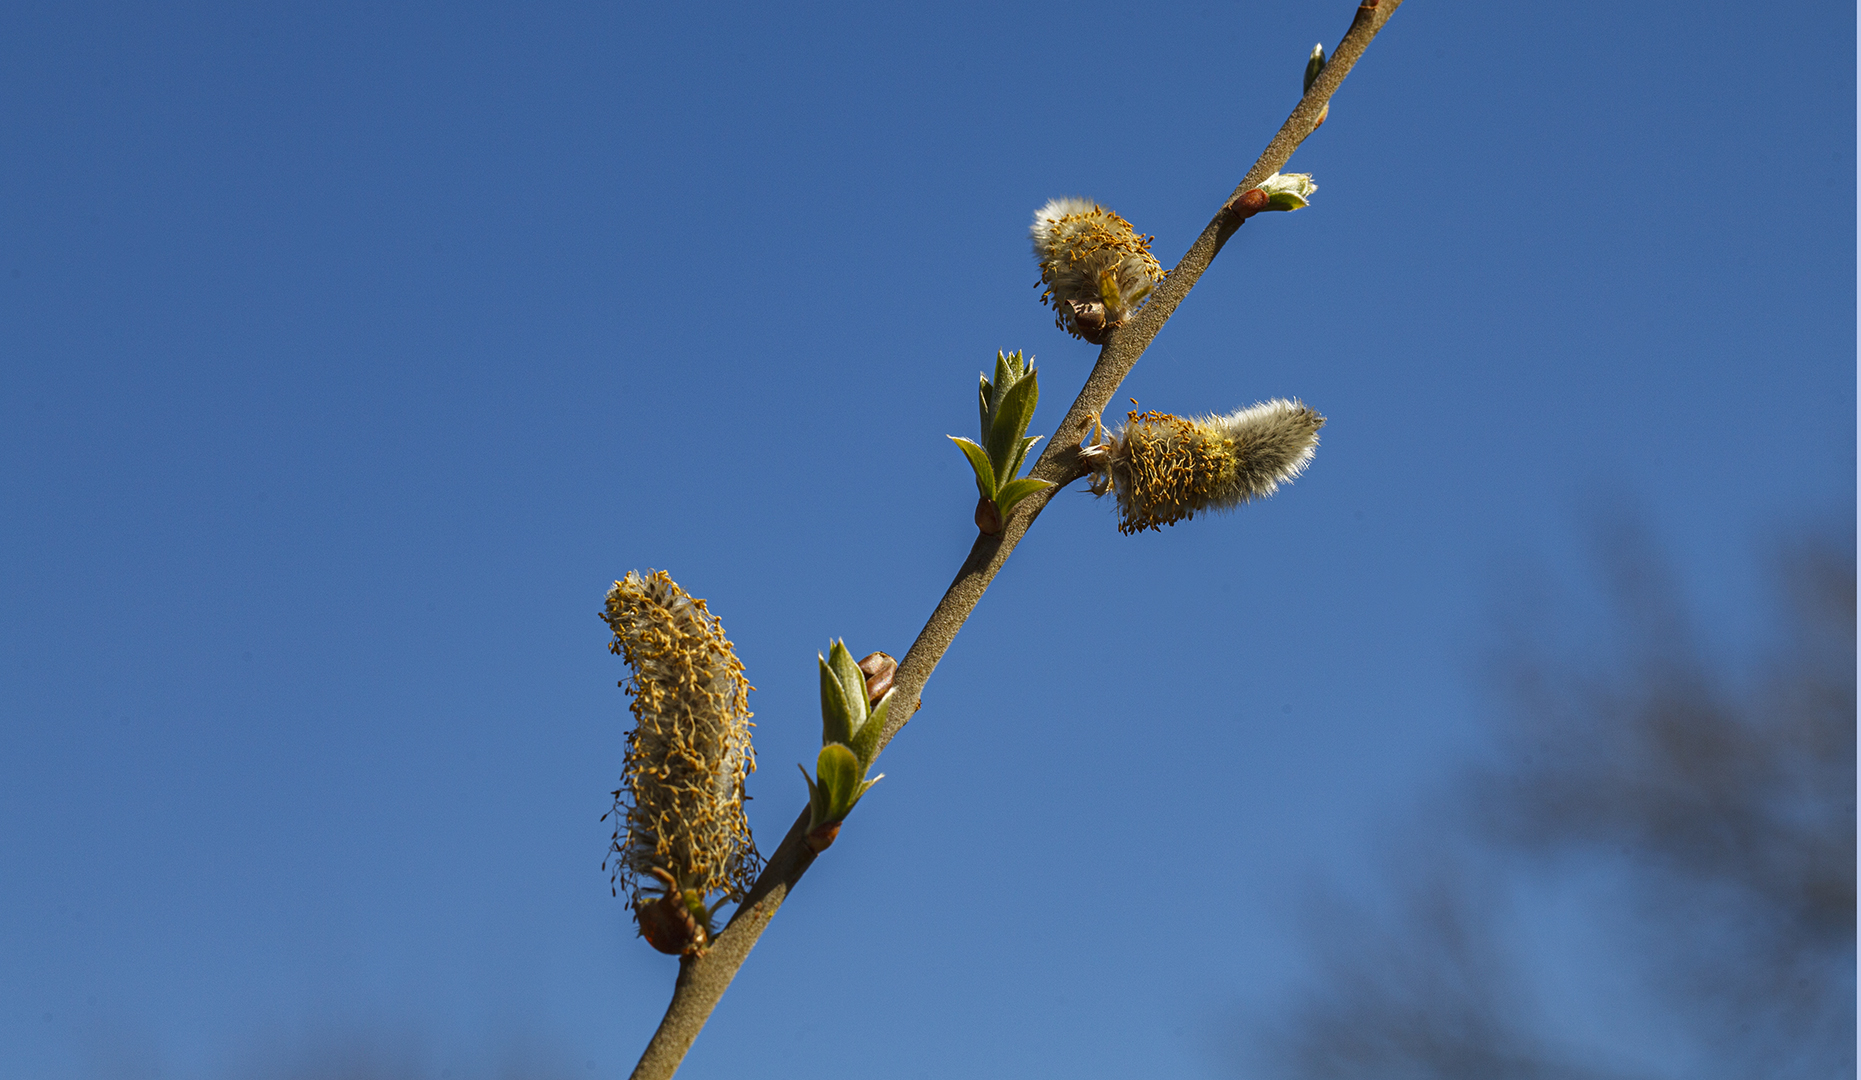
{"points": [[1313, 66], [1288, 191]]}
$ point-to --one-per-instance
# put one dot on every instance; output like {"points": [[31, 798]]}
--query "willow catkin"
{"points": [[679, 809], [1095, 268], [1167, 468]]}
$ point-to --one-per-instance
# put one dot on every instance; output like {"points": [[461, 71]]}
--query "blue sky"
{"points": [[350, 352]]}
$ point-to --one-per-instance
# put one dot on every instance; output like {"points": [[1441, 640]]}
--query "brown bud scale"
{"points": [[988, 518], [821, 839], [1248, 203], [667, 923], [879, 669]]}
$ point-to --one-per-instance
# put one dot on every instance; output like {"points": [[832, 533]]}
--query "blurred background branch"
{"points": [[1702, 812]]}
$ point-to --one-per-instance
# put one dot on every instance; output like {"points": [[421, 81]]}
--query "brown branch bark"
{"points": [[703, 980]]}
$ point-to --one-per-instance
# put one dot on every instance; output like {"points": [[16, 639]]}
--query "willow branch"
{"points": [[702, 980]]}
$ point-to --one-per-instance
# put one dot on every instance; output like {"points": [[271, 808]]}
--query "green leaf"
{"points": [[978, 461], [852, 684], [837, 718], [1010, 424], [984, 394], [866, 740], [1015, 491], [1285, 200], [817, 799], [1005, 377], [837, 771], [882, 710], [1020, 455]]}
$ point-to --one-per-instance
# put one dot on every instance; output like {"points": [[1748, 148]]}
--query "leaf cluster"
{"points": [[850, 728], [1007, 407]]}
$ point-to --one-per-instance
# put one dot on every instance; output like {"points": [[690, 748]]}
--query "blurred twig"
{"points": [[1721, 811], [702, 980]]}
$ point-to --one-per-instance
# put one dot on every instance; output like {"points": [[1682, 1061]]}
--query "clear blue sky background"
{"points": [[349, 351]]}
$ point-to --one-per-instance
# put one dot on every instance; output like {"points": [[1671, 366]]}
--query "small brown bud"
{"points": [[822, 838], [1248, 203], [988, 518], [667, 922], [879, 669], [1090, 323]]}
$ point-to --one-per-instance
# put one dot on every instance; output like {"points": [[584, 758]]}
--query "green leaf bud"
{"points": [[851, 725], [1288, 191], [1313, 66], [838, 719], [1007, 406]]}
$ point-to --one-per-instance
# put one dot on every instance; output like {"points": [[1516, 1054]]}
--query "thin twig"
{"points": [[702, 980]]}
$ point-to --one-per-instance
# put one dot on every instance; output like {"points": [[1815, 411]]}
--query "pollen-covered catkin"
{"points": [[1167, 468], [680, 806], [1095, 267]]}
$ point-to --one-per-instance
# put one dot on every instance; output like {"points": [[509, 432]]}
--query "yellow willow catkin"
{"points": [[1167, 468], [680, 805]]}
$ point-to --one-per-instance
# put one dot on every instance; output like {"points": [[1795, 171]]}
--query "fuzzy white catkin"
{"points": [[1275, 441], [1095, 266]]}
